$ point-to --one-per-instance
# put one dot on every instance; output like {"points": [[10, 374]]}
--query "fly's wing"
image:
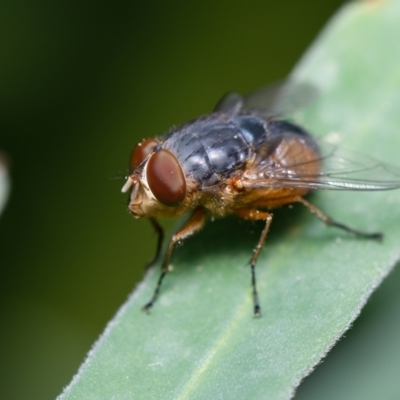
{"points": [[331, 168], [347, 170], [278, 164], [231, 102], [280, 98]]}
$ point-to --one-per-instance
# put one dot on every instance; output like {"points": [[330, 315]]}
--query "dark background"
{"points": [[81, 83]]}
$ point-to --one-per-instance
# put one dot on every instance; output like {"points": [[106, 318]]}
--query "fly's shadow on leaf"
{"points": [[237, 236], [234, 239]]}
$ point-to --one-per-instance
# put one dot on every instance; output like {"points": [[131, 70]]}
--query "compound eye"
{"points": [[140, 152], [166, 179]]}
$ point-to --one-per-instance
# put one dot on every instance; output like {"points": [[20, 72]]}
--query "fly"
{"points": [[242, 160]]}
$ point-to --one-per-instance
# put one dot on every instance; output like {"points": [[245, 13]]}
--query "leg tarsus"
{"points": [[329, 221], [375, 235], [256, 302], [147, 307]]}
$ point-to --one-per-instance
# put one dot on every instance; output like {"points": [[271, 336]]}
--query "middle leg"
{"points": [[255, 215]]}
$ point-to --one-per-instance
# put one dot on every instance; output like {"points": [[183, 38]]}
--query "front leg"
{"points": [[193, 225]]}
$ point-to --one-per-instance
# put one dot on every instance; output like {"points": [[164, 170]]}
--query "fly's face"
{"points": [[156, 182]]}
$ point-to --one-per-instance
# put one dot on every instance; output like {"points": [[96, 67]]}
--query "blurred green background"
{"points": [[81, 84]]}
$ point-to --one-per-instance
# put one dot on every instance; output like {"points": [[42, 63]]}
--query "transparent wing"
{"points": [[281, 98], [337, 168]]}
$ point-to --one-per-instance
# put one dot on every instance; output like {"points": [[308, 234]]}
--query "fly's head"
{"points": [[156, 182]]}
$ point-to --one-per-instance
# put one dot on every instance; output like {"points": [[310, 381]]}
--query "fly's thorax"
{"points": [[210, 149]]}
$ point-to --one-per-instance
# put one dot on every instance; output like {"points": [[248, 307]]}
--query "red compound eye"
{"points": [[165, 178], [140, 152]]}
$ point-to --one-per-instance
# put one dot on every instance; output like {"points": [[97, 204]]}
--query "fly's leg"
{"points": [[329, 221], [193, 225], [267, 217], [160, 238]]}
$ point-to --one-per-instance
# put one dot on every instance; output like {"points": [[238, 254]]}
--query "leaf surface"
{"points": [[200, 340]]}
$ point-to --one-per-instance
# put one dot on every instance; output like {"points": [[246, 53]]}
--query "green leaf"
{"points": [[200, 340]]}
